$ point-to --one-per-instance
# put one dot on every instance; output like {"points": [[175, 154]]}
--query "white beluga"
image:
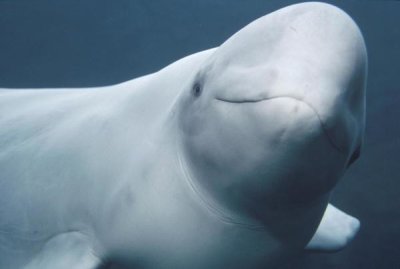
{"points": [[223, 159]]}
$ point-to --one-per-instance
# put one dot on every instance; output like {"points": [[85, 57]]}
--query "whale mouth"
{"points": [[266, 99], [254, 100], [353, 157], [263, 99]]}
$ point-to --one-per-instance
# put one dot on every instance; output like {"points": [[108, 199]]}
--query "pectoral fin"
{"points": [[65, 251], [336, 231]]}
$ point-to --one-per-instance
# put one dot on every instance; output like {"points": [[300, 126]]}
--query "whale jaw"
{"points": [[286, 145]]}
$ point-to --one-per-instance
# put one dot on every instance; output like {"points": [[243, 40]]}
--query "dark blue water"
{"points": [[60, 43]]}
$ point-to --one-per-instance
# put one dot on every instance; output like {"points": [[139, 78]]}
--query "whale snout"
{"points": [[316, 55]]}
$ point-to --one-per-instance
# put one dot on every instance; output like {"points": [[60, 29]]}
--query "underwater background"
{"points": [[71, 43]]}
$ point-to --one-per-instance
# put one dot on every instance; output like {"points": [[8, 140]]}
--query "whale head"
{"points": [[276, 114]]}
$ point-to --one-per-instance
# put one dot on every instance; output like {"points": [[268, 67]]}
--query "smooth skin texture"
{"points": [[224, 159], [335, 231]]}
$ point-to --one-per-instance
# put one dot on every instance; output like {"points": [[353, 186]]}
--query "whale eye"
{"points": [[196, 89]]}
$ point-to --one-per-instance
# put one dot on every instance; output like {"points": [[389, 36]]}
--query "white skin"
{"points": [[314, 75], [225, 158]]}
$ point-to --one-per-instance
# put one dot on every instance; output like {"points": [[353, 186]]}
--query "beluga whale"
{"points": [[223, 159]]}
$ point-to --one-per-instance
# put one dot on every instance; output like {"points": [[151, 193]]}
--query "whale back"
{"points": [[61, 143]]}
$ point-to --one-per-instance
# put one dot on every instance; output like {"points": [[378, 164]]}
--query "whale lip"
{"points": [[244, 101], [254, 100], [265, 99]]}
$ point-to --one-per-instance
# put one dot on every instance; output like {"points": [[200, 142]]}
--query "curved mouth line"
{"points": [[242, 101], [249, 101], [257, 100]]}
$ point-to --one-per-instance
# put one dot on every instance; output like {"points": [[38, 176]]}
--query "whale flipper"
{"points": [[65, 251], [335, 231]]}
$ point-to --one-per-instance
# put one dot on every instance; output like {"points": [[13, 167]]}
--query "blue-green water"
{"points": [[87, 43]]}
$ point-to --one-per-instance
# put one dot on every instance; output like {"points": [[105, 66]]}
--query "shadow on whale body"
{"points": [[225, 158]]}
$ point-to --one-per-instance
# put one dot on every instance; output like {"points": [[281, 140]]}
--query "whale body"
{"points": [[223, 159]]}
